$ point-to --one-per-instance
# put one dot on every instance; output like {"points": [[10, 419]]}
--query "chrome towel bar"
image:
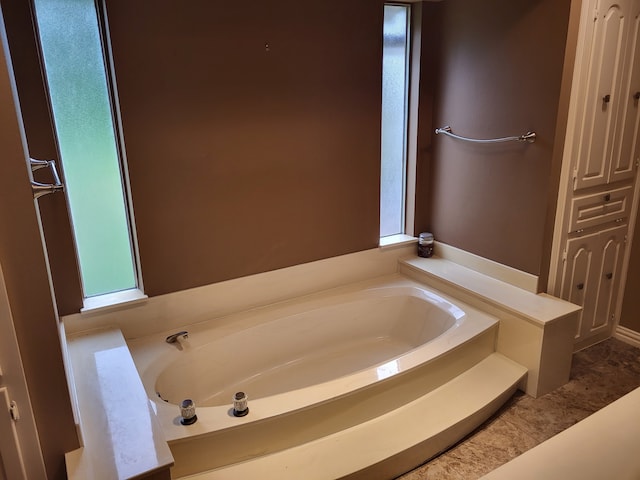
{"points": [[40, 189], [528, 137]]}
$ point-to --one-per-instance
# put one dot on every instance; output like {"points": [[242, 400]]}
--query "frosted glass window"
{"points": [[81, 104], [395, 55]]}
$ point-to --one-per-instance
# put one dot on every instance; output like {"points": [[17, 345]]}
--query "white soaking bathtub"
{"points": [[311, 368]]}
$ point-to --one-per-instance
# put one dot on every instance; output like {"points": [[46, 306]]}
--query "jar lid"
{"points": [[426, 236]]}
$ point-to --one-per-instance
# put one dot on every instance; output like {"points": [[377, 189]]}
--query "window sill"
{"points": [[399, 240], [113, 300]]}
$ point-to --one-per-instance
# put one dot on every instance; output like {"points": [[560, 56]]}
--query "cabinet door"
{"points": [[611, 245], [591, 278], [578, 280], [602, 91], [625, 147]]}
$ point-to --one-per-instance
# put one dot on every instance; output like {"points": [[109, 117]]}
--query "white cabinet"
{"points": [[597, 200]]}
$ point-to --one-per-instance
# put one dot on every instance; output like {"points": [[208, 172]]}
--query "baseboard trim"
{"points": [[627, 335]]}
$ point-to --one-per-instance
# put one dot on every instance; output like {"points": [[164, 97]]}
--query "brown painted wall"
{"points": [[500, 75], [430, 60], [630, 314], [558, 147], [25, 273], [42, 145], [252, 132]]}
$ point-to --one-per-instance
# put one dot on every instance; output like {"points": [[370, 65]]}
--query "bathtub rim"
{"points": [[439, 313], [145, 350]]}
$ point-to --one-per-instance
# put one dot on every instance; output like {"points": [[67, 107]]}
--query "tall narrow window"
{"points": [[80, 98], [395, 62]]}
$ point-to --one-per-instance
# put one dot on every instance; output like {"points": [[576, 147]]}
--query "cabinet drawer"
{"points": [[599, 208]]}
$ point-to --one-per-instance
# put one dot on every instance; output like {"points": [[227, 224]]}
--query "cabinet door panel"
{"points": [[611, 245], [603, 88], [625, 147], [577, 282]]}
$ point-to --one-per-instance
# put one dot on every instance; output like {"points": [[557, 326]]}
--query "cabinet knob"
{"points": [[580, 286], [636, 96], [606, 98], [609, 276]]}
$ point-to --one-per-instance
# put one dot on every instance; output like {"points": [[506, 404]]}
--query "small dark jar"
{"points": [[425, 245]]}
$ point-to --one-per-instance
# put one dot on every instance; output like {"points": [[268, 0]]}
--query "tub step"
{"points": [[397, 441]]}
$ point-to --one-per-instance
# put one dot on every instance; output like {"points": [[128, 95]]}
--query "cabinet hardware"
{"points": [[13, 411], [580, 286], [609, 276], [607, 197], [636, 96], [606, 98]]}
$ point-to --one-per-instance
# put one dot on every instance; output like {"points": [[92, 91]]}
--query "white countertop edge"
{"points": [[115, 412], [541, 309]]}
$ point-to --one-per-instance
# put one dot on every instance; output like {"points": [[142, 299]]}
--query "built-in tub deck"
{"points": [[122, 436], [378, 375]]}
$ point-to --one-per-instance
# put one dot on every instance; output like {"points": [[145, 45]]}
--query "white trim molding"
{"points": [[627, 335]]}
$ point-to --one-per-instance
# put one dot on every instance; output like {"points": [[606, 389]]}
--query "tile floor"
{"points": [[599, 375]]}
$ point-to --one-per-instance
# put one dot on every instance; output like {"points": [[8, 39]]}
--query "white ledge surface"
{"points": [[121, 435], [397, 241], [112, 301], [540, 309]]}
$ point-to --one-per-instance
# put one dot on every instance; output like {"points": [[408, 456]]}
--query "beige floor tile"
{"points": [[599, 375]]}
